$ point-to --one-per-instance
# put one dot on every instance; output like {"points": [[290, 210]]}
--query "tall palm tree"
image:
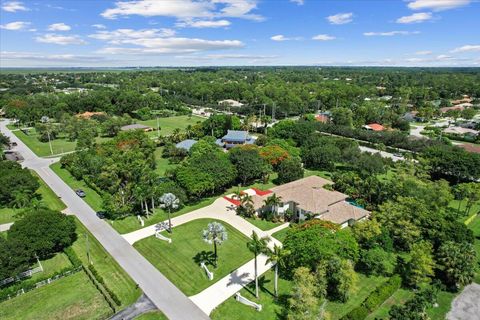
{"points": [[246, 206], [273, 201], [216, 234], [257, 245], [277, 256], [169, 201]]}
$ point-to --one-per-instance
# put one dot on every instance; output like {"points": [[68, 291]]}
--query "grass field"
{"points": [[399, 297], [179, 261], [50, 266], [42, 149], [92, 198], [163, 164], [475, 227], [280, 235], [8, 215], [167, 125], [114, 276], [73, 297]]}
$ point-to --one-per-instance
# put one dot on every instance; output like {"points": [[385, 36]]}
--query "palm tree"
{"points": [[169, 201], [277, 256], [216, 234], [246, 206], [257, 246], [20, 199], [273, 201]]}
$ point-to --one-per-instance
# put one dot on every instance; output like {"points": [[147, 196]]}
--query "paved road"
{"points": [[383, 154], [168, 298], [466, 306]]}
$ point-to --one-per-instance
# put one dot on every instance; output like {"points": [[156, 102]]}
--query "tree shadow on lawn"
{"points": [[206, 257]]}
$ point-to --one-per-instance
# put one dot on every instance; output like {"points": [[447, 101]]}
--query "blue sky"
{"points": [[239, 32]]}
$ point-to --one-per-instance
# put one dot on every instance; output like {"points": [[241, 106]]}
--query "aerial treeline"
{"points": [[17, 185], [292, 90]]}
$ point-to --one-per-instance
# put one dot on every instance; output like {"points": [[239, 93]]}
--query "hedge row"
{"points": [[375, 299], [72, 256], [99, 278]]}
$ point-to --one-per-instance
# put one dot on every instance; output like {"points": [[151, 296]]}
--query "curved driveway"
{"points": [[168, 298]]}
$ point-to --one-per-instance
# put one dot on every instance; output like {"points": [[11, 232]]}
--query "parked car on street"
{"points": [[101, 214], [80, 193]]}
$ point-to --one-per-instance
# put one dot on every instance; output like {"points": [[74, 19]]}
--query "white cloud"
{"points": [[59, 39], [390, 33], [13, 55], [298, 2], [121, 35], [59, 27], [14, 26], [204, 23], [323, 37], [340, 18], [99, 26], [14, 6], [437, 5], [467, 48], [185, 9], [423, 53], [281, 37], [415, 18], [234, 56]]}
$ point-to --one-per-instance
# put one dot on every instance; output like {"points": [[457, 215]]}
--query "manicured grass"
{"points": [[281, 235], [48, 196], [73, 297], [271, 308], [475, 227], [42, 149], [364, 287], [92, 198], [179, 261], [399, 297], [50, 266], [152, 315], [263, 224], [444, 300], [114, 276], [163, 164], [321, 173], [167, 125]]}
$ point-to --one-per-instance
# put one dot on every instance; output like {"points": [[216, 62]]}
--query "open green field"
{"points": [[50, 266], [114, 276], [42, 149], [179, 261], [72, 297], [163, 164], [8, 215], [92, 198], [281, 235], [167, 125], [399, 297]]}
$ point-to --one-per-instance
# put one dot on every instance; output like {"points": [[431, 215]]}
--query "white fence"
{"points": [[247, 302], [21, 275]]}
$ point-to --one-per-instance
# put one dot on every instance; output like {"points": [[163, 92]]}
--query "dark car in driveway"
{"points": [[80, 193]]}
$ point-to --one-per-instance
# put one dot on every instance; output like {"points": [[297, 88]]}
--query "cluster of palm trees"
{"points": [[277, 256], [246, 208]]}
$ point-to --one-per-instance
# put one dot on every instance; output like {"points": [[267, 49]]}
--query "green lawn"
{"points": [[271, 308], [48, 196], [281, 235], [364, 287], [444, 300], [263, 224], [73, 297], [163, 164], [152, 315], [114, 276], [8, 215], [50, 266], [42, 149], [179, 261], [92, 198], [167, 125], [475, 227], [399, 297]]}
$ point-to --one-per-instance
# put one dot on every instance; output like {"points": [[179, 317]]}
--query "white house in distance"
{"points": [[230, 103], [308, 197]]}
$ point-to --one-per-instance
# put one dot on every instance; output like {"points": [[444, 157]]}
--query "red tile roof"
{"points": [[376, 127], [322, 118], [261, 192]]}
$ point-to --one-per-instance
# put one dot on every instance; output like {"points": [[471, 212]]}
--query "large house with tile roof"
{"points": [[307, 197]]}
